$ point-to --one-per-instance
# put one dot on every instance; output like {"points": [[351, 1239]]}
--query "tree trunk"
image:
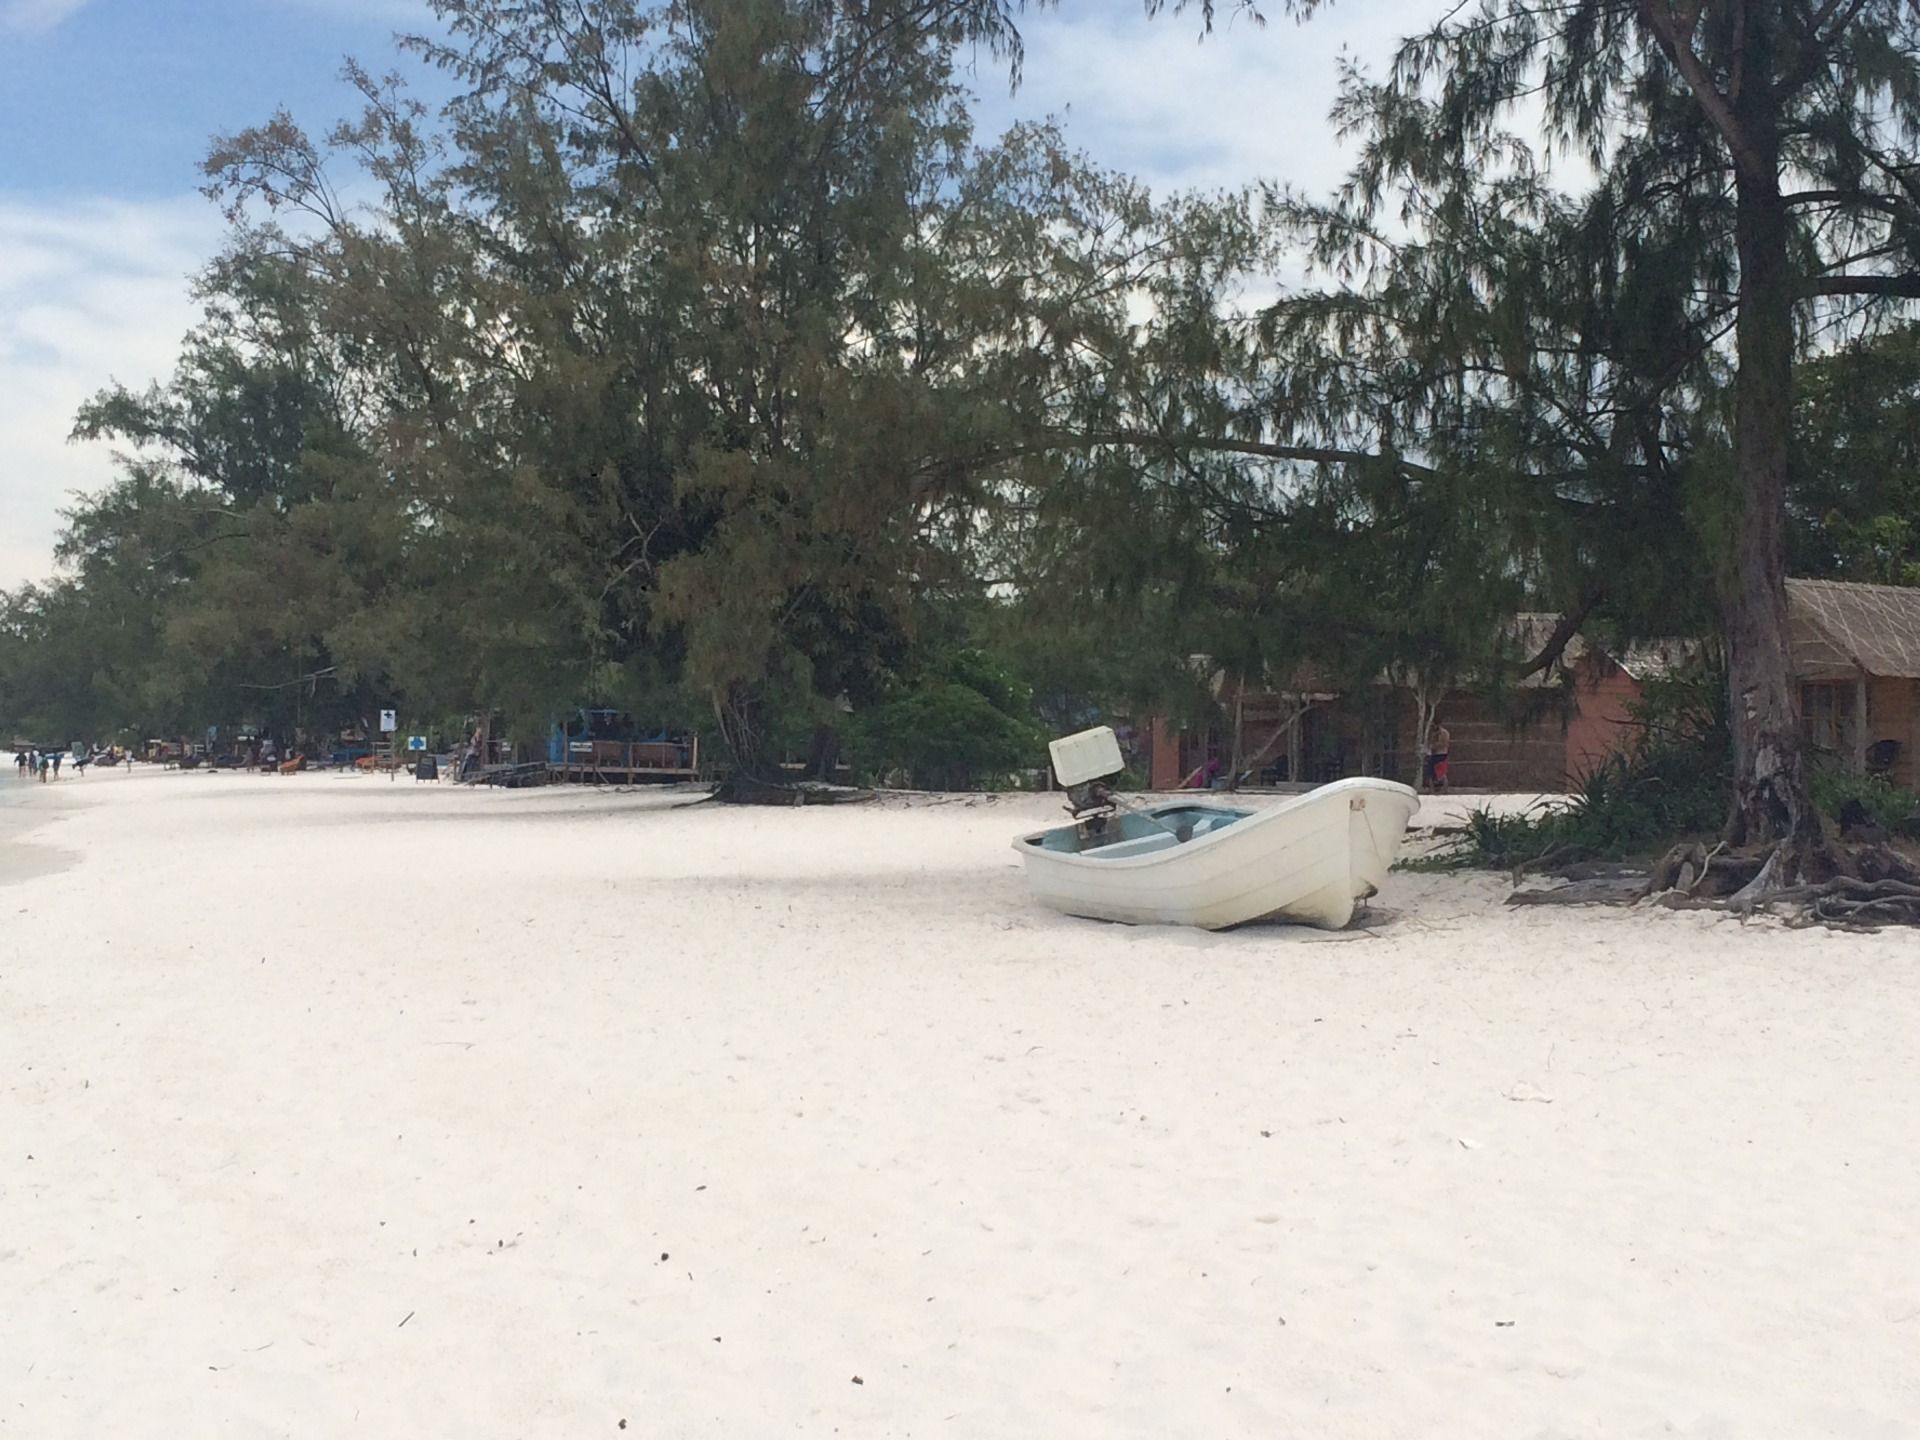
{"points": [[1239, 729], [1771, 800], [1426, 704], [824, 754], [736, 714], [753, 778]]}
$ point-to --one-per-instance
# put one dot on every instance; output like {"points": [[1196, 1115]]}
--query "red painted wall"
{"points": [[1600, 723]]}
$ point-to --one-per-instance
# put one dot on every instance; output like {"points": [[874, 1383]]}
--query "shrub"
{"points": [[966, 724], [1671, 780], [1891, 808]]}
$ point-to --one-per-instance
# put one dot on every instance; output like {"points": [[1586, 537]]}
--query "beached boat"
{"points": [[1308, 859]]}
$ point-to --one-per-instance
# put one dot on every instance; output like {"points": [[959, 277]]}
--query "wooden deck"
{"points": [[629, 762], [590, 773]]}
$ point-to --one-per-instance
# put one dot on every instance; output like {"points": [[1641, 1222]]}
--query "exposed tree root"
{"points": [[1852, 887], [1863, 904]]}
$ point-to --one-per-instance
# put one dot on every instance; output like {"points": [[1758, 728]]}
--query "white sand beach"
{"points": [[333, 1105]]}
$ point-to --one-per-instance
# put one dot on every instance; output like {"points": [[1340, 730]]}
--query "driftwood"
{"points": [[743, 790], [1768, 880], [1596, 870], [1599, 890]]}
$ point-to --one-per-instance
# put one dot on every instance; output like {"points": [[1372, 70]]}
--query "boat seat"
{"points": [[1121, 849]]}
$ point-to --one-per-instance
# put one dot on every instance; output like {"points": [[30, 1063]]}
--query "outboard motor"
{"points": [[1085, 766]]}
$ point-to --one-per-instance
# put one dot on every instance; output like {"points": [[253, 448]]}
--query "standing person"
{"points": [[1439, 748], [57, 758], [20, 764]]}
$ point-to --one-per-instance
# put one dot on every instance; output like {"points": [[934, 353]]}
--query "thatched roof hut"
{"points": [[1856, 654], [1842, 629]]}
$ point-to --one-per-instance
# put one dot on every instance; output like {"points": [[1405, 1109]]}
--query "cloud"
{"points": [[90, 292], [1151, 98], [405, 14], [35, 17]]}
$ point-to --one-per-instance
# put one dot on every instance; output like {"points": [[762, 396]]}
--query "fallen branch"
{"points": [[1706, 865], [1600, 890]]}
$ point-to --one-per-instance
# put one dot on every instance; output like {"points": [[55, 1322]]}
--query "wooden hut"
{"points": [[1856, 656]]}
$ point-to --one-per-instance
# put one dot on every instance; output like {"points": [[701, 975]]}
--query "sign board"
{"points": [[389, 722], [416, 742], [579, 747]]}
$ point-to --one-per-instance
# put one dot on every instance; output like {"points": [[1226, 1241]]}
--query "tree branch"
{"points": [[1678, 48], [1813, 45], [1898, 286], [1864, 198], [1563, 633]]}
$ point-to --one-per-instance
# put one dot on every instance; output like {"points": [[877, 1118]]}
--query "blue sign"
{"points": [[416, 742]]}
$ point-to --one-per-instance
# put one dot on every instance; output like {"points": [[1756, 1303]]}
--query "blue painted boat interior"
{"points": [[1130, 833]]}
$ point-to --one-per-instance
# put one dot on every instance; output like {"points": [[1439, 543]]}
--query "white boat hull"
{"points": [[1309, 859]]}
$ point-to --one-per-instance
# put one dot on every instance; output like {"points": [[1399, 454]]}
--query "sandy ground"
{"points": [[331, 1105]]}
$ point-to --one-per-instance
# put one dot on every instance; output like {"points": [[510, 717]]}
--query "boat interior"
{"points": [[1126, 833]]}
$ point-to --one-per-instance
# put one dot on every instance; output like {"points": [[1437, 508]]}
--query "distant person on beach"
{"points": [[57, 758], [43, 767], [1439, 748], [20, 763]]}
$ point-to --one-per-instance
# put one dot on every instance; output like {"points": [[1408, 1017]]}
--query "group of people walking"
{"points": [[36, 764]]}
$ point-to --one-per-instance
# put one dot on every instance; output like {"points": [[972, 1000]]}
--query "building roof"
{"points": [[1841, 628]]}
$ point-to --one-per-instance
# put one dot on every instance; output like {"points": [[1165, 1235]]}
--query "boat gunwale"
{"points": [[1027, 846]]}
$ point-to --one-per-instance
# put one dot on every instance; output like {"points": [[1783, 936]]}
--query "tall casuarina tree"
{"points": [[1784, 133]]}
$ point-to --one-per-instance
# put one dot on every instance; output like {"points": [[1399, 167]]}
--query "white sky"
{"points": [[94, 289]]}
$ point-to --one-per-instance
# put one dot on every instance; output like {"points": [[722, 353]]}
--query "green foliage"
{"points": [[965, 722], [1894, 810], [696, 343], [1627, 805], [1855, 491]]}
